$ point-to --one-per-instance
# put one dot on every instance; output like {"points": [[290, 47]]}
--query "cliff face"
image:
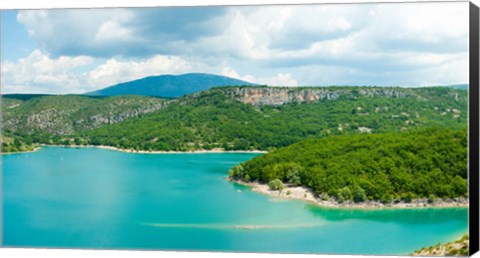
{"points": [[113, 117], [65, 115], [278, 96]]}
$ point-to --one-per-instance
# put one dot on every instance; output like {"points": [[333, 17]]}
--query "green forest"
{"points": [[426, 163], [216, 121]]}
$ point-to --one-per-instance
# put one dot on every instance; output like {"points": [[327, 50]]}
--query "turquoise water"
{"points": [[96, 198]]}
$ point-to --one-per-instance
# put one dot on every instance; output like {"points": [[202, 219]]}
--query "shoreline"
{"points": [[20, 152], [304, 194], [216, 150]]}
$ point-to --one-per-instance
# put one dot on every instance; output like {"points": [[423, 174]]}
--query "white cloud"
{"points": [[443, 21], [38, 71], [92, 32], [252, 34], [111, 31], [114, 71], [280, 79], [362, 44], [114, 32], [444, 74], [230, 72]]}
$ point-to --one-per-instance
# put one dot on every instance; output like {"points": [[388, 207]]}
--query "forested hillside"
{"points": [[224, 118], [426, 163], [29, 119], [232, 118]]}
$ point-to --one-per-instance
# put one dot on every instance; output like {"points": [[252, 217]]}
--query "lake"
{"points": [[98, 198]]}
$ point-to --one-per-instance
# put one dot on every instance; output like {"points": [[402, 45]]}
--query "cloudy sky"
{"points": [[76, 51]]}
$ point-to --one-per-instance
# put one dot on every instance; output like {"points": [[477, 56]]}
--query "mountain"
{"points": [[170, 86]]}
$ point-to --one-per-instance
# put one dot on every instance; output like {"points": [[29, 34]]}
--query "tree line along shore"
{"points": [[418, 168]]}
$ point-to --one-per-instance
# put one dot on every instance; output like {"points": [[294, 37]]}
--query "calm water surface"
{"points": [[96, 198]]}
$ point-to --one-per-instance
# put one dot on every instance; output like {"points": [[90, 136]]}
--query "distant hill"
{"points": [[452, 86], [23, 96], [459, 86], [170, 86]]}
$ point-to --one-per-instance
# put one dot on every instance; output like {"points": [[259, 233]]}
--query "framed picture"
{"points": [[274, 128]]}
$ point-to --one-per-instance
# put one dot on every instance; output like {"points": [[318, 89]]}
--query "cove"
{"points": [[97, 198]]}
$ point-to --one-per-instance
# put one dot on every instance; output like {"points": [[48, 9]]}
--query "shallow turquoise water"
{"points": [[96, 198]]}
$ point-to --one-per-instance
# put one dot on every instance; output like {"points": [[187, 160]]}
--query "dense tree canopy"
{"points": [[381, 167]]}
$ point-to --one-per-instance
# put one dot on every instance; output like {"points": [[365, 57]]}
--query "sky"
{"points": [[81, 50]]}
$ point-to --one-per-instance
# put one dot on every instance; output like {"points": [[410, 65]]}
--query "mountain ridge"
{"points": [[169, 86]]}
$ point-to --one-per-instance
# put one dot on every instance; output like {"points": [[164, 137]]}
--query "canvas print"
{"points": [[323, 128]]}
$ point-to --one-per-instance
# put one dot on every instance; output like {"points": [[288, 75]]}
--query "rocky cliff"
{"points": [[64, 115], [283, 95]]}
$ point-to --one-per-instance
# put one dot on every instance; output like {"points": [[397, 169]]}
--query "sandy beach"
{"points": [[304, 194], [215, 150]]}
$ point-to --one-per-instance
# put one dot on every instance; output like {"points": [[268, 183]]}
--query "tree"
{"points": [[276, 184], [359, 194], [293, 174], [344, 194], [407, 197], [386, 198], [17, 143], [459, 186], [236, 172]]}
